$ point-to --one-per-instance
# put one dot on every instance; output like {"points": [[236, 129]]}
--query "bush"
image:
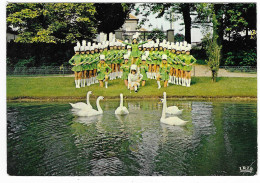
{"points": [[241, 58]]}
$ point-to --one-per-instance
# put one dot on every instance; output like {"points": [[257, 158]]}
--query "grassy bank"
{"points": [[64, 88]]}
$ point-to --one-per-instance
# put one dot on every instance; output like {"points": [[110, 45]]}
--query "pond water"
{"points": [[48, 139]]}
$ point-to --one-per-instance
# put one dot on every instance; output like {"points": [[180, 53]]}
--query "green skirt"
{"points": [[125, 75], [77, 68], [85, 67], [187, 68], [101, 76], [145, 78], [164, 76]]}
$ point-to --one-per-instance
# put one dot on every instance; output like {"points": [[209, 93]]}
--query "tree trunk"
{"points": [[185, 8], [214, 76]]}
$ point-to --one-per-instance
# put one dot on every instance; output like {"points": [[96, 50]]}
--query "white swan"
{"points": [[121, 110], [82, 105], [172, 109], [171, 120], [91, 112]]}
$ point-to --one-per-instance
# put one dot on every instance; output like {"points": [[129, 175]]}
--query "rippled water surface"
{"points": [[48, 139]]}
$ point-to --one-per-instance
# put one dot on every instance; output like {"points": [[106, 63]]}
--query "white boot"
{"points": [[106, 83], [83, 83], [93, 80], [88, 82], [188, 82], [179, 81], [183, 82], [96, 80], [173, 78], [135, 89], [159, 84], [170, 79], [78, 84], [76, 81]]}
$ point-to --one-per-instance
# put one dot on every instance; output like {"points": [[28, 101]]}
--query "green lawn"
{"points": [[64, 87]]}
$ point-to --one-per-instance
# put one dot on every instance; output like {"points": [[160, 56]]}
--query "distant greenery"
{"points": [[64, 87], [157, 34], [178, 37]]}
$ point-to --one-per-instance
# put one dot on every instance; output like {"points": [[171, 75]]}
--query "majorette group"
{"points": [[134, 63]]}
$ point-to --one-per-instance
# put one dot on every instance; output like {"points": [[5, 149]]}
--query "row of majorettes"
{"points": [[121, 55]]}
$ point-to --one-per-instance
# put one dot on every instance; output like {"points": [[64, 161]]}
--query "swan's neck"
{"points": [[163, 110], [88, 98], [98, 106], [121, 101], [165, 100]]}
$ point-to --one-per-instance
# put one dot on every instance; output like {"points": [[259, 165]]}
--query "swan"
{"points": [[175, 121], [172, 109], [82, 105], [121, 110], [91, 112]]}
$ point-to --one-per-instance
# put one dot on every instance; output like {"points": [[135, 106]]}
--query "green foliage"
{"points": [[178, 37], [52, 22], [213, 53], [243, 58], [25, 62], [157, 34]]}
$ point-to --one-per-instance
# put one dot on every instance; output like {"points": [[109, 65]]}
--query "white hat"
{"points": [[181, 44], [161, 44], [144, 45], [99, 44], [111, 44], [133, 67], [151, 44], [82, 48], [177, 44], [147, 53], [189, 46], [148, 45], [169, 47], [183, 48], [76, 48], [102, 57], [87, 48], [123, 45], [78, 44], [126, 57], [173, 47], [185, 43], [143, 57], [89, 43], [178, 48], [135, 36], [91, 48], [84, 42], [140, 46], [164, 45], [129, 47], [164, 41], [157, 41], [164, 57]]}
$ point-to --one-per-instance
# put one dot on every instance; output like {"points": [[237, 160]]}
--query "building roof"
{"points": [[132, 17]]}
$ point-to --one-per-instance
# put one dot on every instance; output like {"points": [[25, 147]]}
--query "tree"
{"points": [[179, 37], [52, 22], [157, 34], [111, 16], [213, 49], [166, 9]]}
